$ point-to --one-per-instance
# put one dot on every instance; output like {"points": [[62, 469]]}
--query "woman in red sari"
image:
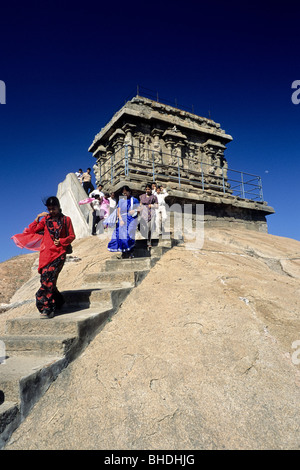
{"points": [[57, 234]]}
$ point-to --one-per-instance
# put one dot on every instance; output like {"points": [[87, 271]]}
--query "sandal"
{"points": [[46, 315], [43, 315]]}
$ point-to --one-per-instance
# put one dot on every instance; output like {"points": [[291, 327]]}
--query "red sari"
{"points": [[48, 251], [40, 236]]}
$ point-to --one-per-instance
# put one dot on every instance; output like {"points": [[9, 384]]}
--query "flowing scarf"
{"points": [[32, 241]]}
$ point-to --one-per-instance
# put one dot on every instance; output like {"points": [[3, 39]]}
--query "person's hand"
{"points": [[122, 222], [56, 242], [42, 214]]}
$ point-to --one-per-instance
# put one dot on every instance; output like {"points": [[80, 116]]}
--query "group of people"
{"points": [[150, 206], [103, 205], [52, 233], [86, 180]]}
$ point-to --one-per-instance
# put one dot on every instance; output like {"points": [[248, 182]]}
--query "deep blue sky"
{"points": [[69, 66]]}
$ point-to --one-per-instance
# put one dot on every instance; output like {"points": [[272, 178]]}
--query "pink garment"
{"points": [[87, 200], [38, 238], [28, 239], [104, 208]]}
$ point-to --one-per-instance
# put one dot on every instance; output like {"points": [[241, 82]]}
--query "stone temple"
{"points": [[148, 141]]}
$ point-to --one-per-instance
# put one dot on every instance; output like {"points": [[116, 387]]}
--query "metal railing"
{"points": [[151, 165]]}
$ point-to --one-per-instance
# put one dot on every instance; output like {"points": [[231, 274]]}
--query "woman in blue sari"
{"points": [[123, 238]]}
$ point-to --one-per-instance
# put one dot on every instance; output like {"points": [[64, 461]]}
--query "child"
{"points": [[104, 208], [96, 206]]}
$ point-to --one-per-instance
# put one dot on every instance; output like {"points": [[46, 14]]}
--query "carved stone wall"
{"points": [[146, 140], [147, 133]]}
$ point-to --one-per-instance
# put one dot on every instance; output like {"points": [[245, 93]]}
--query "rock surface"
{"points": [[199, 356], [13, 274]]}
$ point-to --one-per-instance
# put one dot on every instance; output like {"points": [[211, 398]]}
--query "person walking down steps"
{"points": [[123, 237], [95, 205], [58, 235], [148, 204], [51, 233], [86, 181], [160, 212]]}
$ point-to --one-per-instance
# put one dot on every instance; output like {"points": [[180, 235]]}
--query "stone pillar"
{"points": [[214, 152], [168, 157], [98, 167], [194, 160], [156, 145], [128, 139], [109, 163], [179, 154], [116, 142]]}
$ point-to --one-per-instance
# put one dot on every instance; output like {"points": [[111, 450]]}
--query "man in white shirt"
{"points": [[79, 174], [97, 191], [160, 212], [112, 202]]}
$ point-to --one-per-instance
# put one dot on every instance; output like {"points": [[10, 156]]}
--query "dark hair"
{"points": [[52, 201], [127, 188], [148, 186]]}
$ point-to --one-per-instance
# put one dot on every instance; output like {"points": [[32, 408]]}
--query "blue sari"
{"points": [[123, 238]]}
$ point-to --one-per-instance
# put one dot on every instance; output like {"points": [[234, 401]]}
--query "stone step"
{"points": [[89, 298], [8, 411], [166, 241], [30, 366], [155, 251], [19, 371], [155, 239], [134, 264], [114, 279], [159, 247], [9, 420], [38, 349], [78, 323], [23, 380], [22, 345]]}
